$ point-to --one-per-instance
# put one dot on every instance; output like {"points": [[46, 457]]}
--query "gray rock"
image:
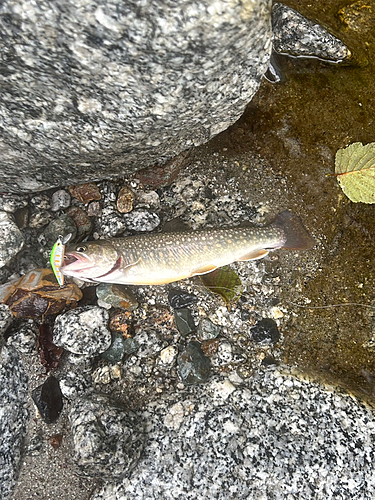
{"points": [[104, 88], [273, 437], [208, 330], [6, 318], [193, 366], [23, 338], [297, 36], [11, 203], [13, 418], [60, 199], [141, 220], [63, 226], [83, 331], [108, 438], [11, 239]]}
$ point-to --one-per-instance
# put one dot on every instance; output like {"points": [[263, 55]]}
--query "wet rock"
{"points": [[82, 221], [193, 366], [210, 347], [130, 345], [125, 200], [94, 209], [48, 399], [208, 330], [168, 355], [110, 224], [6, 318], [83, 331], [265, 332], [149, 199], [120, 322], [117, 296], [39, 218], [40, 202], [108, 438], [23, 337], [28, 260], [76, 381], [179, 298], [116, 351], [63, 226], [12, 202], [60, 199], [11, 239], [85, 192], [141, 220], [98, 112], [37, 293], [184, 321], [297, 36], [55, 441], [13, 418]]}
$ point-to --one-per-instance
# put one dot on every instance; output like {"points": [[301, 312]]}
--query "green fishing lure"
{"points": [[57, 257]]}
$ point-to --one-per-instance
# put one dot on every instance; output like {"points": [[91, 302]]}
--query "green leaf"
{"points": [[355, 171], [224, 282]]}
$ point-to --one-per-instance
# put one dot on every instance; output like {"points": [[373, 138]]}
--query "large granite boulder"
{"points": [[95, 89]]}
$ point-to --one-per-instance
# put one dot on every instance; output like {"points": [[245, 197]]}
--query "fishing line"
{"points": [[331, 305]]}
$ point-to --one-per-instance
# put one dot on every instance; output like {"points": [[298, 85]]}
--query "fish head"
{"points": [[89, 260]]}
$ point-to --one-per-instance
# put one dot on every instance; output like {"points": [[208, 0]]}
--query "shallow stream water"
{"points": [[280, 152]]}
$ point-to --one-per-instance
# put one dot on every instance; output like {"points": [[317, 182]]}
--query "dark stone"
{"points": [[265, 332], [48, 399], [208, 330], [184, 321], [179, 298], [193, 366], [116, 351]]}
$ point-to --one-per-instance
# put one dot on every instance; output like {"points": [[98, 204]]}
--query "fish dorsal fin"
{"points": [[204, 270], [254, 254]]}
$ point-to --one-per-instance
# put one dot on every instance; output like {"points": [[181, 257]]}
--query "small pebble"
{"points": [[94, 209], [179, 298], [85, 192], [193, 366], [148, 199], [60, 200], [82, 221], [141, 220], [265, 332], [117, 296], [168, 355], [125, 200], [63, 226], [208, 330], [184, 321], [48, 399], [116, 350]]}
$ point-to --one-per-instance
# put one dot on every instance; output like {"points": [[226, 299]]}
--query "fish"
{"points": [[160, 258]]}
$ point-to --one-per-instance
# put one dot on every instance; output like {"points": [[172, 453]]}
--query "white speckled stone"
{"points": [[101, 88], [275, 437], [83, 331], [13, 418], [11, 238], [108, 438]]}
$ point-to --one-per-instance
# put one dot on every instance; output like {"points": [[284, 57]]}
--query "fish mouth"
{"points": [[75, 263]]}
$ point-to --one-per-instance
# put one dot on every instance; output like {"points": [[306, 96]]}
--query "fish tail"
{"points": [[296, 235]]}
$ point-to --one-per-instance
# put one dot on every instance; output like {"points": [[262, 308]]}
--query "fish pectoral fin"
{"points": [[204, 270], [254, 254]]}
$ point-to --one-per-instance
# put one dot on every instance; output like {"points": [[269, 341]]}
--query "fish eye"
{"points": [[81, 249]]}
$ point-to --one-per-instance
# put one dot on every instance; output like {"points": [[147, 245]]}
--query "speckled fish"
{"points": [[155, 259]]}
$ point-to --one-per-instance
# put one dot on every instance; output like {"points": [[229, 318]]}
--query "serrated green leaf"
{"points": [[355, 171], [224, 282]]}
